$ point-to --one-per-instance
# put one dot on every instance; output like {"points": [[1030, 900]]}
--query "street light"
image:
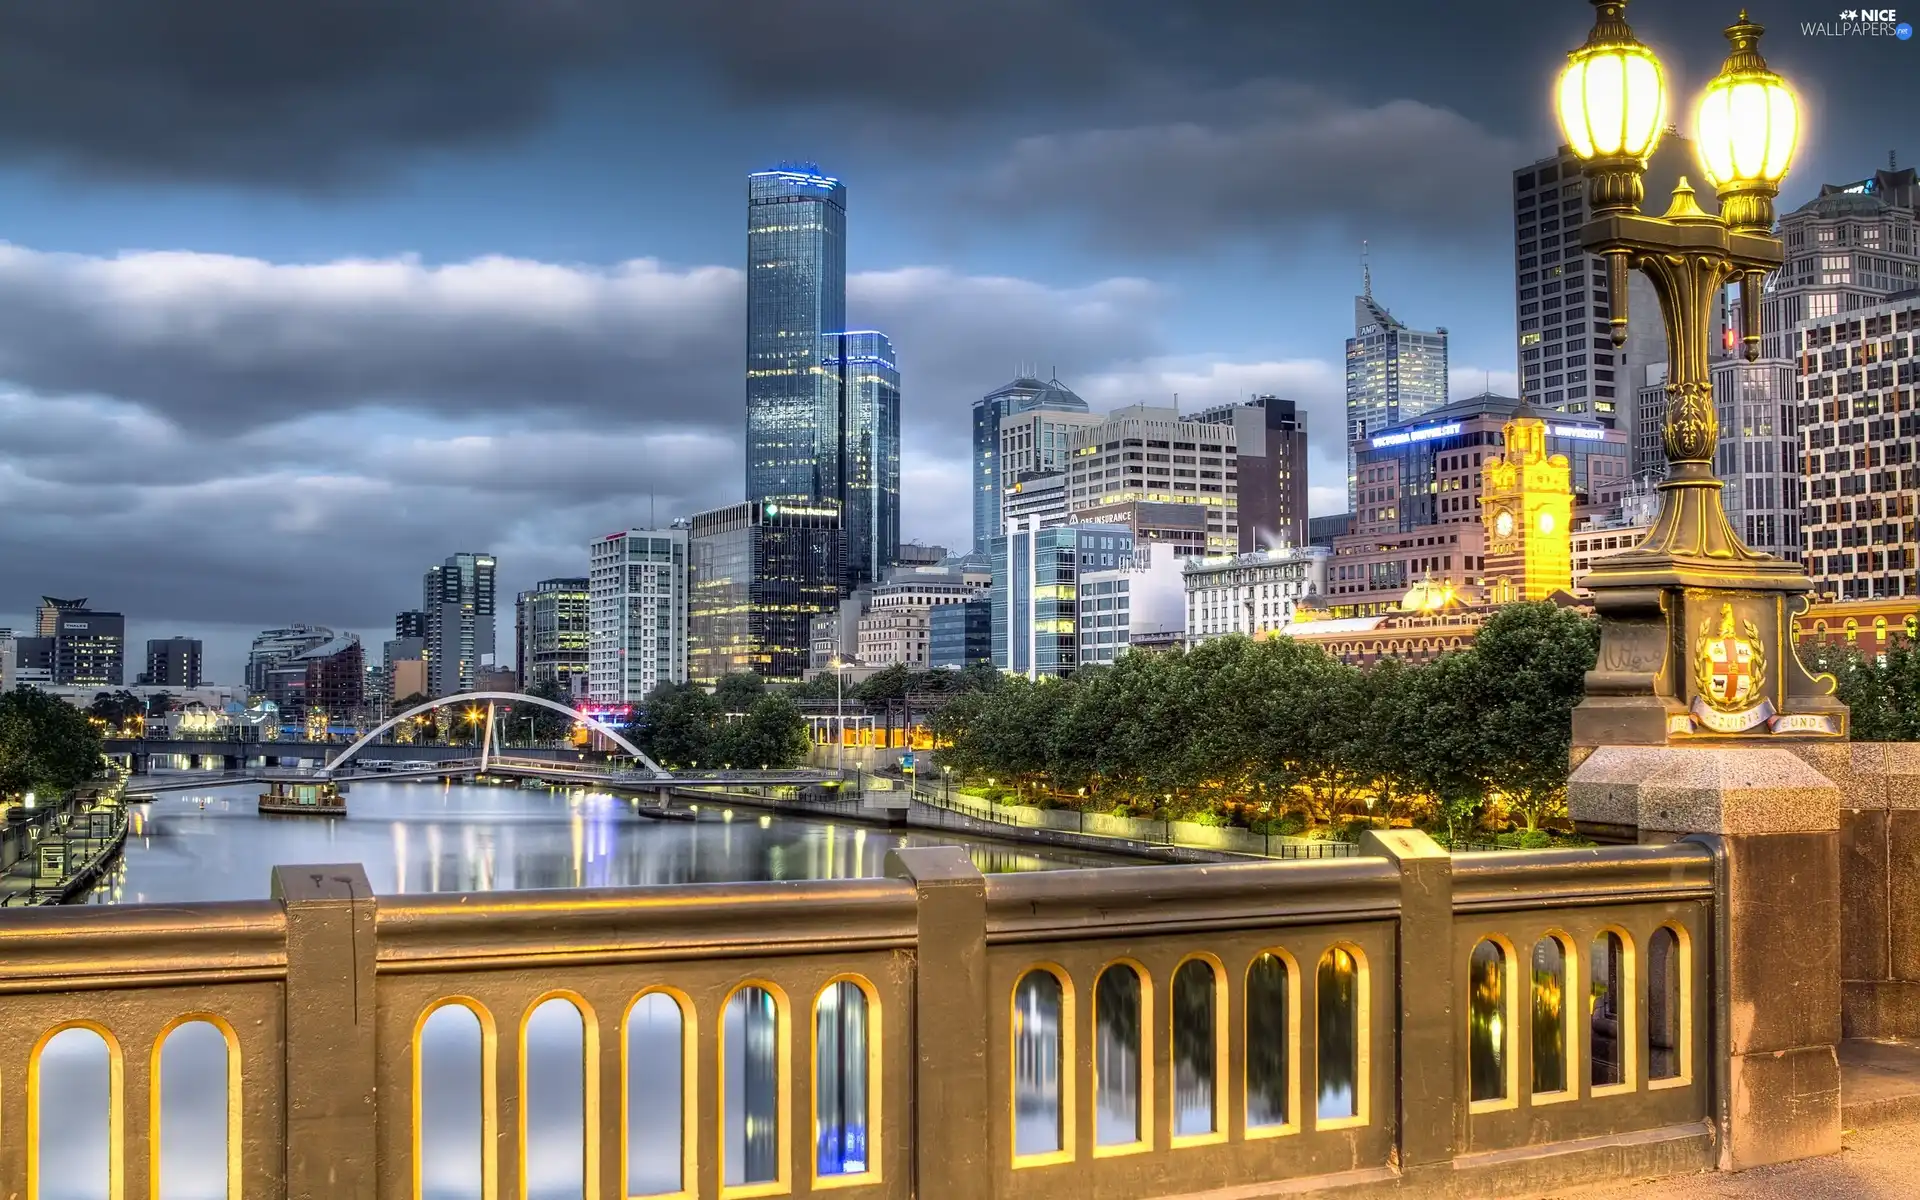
{"points": [[839, 716], [1692, 617]]}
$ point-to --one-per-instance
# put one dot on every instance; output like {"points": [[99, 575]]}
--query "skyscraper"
{"points": [[1271, 463], [636, 614], [869, 482], [759, 573], [1567, 359], [1394, 374], [457, 597], [1048, 445], [550, 633], [796, 297], [1850, 248]]}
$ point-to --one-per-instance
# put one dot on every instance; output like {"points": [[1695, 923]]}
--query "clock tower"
{"points": [[1527, 510]]}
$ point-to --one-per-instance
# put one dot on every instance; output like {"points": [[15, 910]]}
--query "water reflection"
{"points": [[751, 1040], [1604, 1010], [1116, 1056], [1195, 1042], [193, 1114], [1337, 1027], [554, 1109], [1549, 1015], [75, 1099], [840, 1072], [421, 837], [1269, 1034], [1038, 1127], [1486, 1022], [656, 1103], [452, 1130], [1663, 1004]]}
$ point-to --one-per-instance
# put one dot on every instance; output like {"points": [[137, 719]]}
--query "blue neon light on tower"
{"points": [[796, 298]]}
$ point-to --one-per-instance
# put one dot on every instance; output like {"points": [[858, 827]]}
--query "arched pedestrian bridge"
{"points": [[492, 698]]}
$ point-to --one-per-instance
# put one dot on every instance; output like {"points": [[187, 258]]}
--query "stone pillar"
{"points": [[1775, 966], [953, 1101], [331, 1052], [1431, 1118]]}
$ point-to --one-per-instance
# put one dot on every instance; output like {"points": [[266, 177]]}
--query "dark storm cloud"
{"points": [[1267, 161], [319, 94]]}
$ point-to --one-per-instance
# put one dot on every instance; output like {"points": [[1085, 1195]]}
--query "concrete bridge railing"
{"points": [[1478, 1026]]}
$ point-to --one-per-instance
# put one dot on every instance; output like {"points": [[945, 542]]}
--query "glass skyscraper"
{"points": [[1394, 374], [1025, 394], [869, 480], [796, 296]]}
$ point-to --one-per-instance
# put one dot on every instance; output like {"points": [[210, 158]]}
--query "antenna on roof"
{"points": [[1890, 166], [1366, 270]]}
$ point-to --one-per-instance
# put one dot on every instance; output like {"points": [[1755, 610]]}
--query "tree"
{"points": [[116, 709], [771, 734], [45, 744], [1532, 660], [159, 705], [1882, 694], [677, 725], [548, 725], [737, 693]]}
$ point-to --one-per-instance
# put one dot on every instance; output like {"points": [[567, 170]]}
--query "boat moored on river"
{"points": [[304, 795]]}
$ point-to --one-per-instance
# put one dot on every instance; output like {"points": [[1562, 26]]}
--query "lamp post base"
{"points": [[1697, 649]]}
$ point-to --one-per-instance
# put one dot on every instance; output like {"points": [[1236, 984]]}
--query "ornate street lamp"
{"points": [[1695, 625]]}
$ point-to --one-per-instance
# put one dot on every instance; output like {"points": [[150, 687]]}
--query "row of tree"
{"points": [[741, 723], [1279, 727], [46, 744], [1882, 693]]}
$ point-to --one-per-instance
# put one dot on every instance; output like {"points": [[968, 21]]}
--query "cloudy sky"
{"points": [[296, 298]]}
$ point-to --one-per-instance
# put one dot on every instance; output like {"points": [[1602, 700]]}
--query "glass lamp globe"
{"points": [[1612, 93], [1748, 120]]}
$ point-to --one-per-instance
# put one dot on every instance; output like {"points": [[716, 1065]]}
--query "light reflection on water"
{"points": [[417, 837]]}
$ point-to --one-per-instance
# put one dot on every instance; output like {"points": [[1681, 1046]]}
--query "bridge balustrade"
{"points": [[1502, 1020]]}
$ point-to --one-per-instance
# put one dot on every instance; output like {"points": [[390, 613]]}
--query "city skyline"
{"points": [[501, 386]]}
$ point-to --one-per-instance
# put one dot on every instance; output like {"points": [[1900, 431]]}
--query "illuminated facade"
{"points": [[1848, 249], [1394, 374], [1527, 514], [550, 633], [636, 614], [1252, 594], [1035, 593], [990, 479], [457, 597], [1429, 472], [796, 297], [758, 574], [863, 367], [1142, 452], [1859, 416]]}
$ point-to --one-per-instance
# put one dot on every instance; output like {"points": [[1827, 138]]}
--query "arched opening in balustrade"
{"points": [[846, 1084], [657, 1091], [1042, 1048], [1669, 1007], [454, 1113], [755, 1082], [1491, 992], [1610, 1011], [559, 1095], [1122, 1056], [1272, 1016], [1197, 1011], [1342, 1014], [195, 1139], [1552, 1025], [74, 1115]]}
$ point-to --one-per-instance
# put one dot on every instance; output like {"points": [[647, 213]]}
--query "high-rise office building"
{"points": [[403, 668], [1757, 455], [1860, 435], [457, 596], [1271, 440], [275, 646], [550, 635], [1567, 359], [1035, 596], [78, 645], [759, 573], [869, 482], [1046, 441], [1394, 374], [636, 614], [796, 297], [1849, 248], [1153, 454], [172, 662], [410, 624]]}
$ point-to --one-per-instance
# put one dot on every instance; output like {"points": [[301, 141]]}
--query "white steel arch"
{"points": [[598, 726]]}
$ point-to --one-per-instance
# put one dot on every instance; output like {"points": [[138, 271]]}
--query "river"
{"points": [[434, 837]]}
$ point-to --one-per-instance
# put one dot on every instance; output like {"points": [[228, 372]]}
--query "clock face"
{"points": [[1503, 523], [1546, 522]]}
